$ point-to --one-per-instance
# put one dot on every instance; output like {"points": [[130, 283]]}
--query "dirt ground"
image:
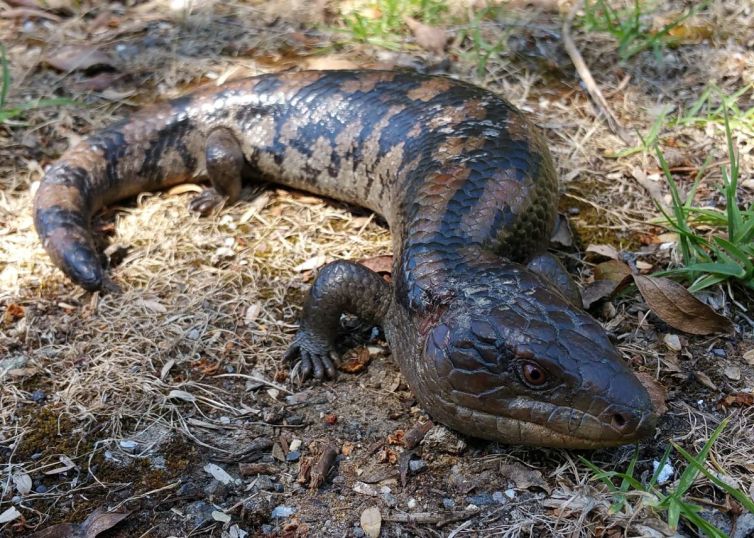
{"points": [[168, 404]]}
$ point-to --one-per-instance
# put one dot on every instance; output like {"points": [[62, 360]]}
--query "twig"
{"points": [[586, 77]]}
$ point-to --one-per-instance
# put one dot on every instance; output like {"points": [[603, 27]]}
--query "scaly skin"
{"points": [[489, 346]]}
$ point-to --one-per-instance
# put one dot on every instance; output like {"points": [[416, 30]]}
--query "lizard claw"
{"points": [[317, 359], [206, 202]]}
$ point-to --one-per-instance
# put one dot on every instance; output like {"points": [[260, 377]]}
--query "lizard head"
{"points": [[528, 367]]}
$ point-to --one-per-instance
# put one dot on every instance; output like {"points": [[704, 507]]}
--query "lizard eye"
{"points": [[533, 374]]}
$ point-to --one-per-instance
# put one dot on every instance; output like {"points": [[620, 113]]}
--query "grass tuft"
{"points": [[6, 112], [382, 22], [674, 501], [628, 26], [726, 253]]}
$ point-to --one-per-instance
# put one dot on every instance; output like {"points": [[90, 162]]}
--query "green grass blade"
{"points": [[5, 76], [736, 493]]}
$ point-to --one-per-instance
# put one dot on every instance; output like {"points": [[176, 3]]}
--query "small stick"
{"points": [[322, 468], [586, 77]]}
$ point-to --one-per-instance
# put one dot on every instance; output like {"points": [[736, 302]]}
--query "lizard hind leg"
{"points": [[225, 163]]}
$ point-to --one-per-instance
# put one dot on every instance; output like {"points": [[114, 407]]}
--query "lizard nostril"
{"points": [[619, 421]]}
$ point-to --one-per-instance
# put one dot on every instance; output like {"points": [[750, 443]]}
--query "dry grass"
{"points": [[209, 305]]}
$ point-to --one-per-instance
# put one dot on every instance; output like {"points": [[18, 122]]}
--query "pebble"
{"points": [[293, 455], [448, 503], [389, 498], [417, 465], [216, 491], [264, 482], [127, 445], [201, 512], [483, 499], [411, 503], [665, 474], [188, 489], [719, 352], [499, 497], [282, 511], [38, 396], [41, 488], [510, 493]]}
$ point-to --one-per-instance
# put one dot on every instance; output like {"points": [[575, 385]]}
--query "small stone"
{"points": [[417, 465], [38, 396], [36, 456], [265, 483], [371, 521], [733, 373], [499, 497], [672, 342], [510, 493], [127, 445], [717, 352], [201, 512], [282, 511], [483, 499], [411, 503], [294, 420], [295, 445], [365, 489], [293, 455], [41, 488], [448, 503], [216, 491], [665, 474], [389, 499], [358, 532]]}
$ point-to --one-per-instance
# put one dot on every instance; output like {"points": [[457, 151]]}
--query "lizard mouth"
{"points": [[543, 424]]}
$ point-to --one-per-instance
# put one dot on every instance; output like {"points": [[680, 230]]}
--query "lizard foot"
{"points": [[317, 358], [206, 201]]}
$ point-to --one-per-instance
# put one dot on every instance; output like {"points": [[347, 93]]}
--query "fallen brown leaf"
{"points": [[613, 270], [379, 264], [96, 523], [523, 476], [677, 307], [705, 380], [606, 251], [737, 399], [657, 393], [356, 362], [428, 37], [73, 58], [609, 277]]}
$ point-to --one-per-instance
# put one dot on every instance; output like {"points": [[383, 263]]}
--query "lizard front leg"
{"points": [[340, 287]]}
